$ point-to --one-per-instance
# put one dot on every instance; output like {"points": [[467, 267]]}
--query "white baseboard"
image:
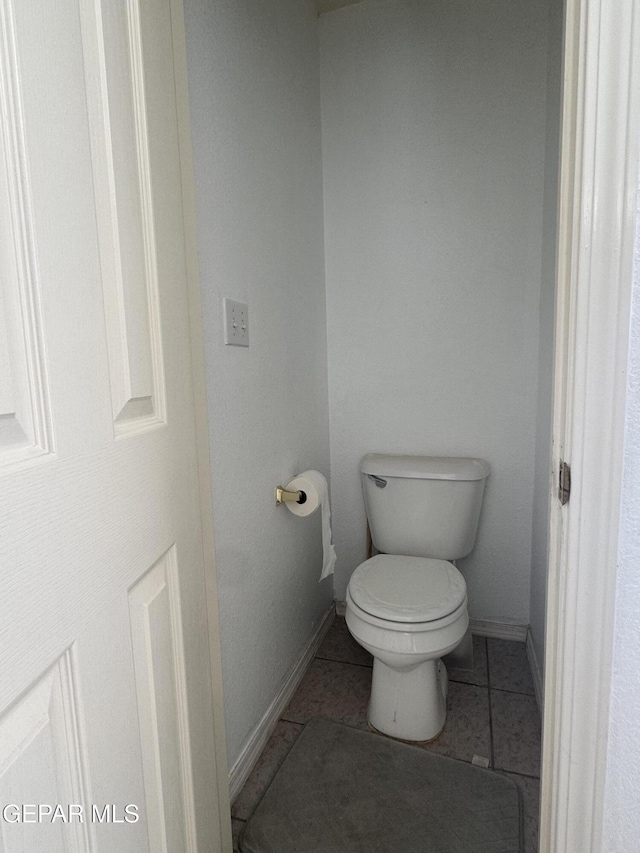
{"points": [[536, 672], [257, 741], [341, 607], [499, 630]]}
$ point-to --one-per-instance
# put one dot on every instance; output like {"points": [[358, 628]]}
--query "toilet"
{"points": [[408, 605]]}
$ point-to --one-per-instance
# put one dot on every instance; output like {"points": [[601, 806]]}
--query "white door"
{"points": [[105, 690]]}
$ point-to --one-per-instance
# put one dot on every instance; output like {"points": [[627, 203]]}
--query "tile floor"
{"points": [[492, 713]]}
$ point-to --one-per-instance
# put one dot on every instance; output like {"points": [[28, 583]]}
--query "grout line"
{"points": [[515, 692], [347, 662], [493, 756], [468, 683], [517, 773]]}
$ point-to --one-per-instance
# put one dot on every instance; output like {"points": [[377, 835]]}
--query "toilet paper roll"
{"points": [[315, 487]]}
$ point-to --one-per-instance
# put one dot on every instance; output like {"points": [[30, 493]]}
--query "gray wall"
{"points": [[433, 120], [255, 112], [539, 542]]}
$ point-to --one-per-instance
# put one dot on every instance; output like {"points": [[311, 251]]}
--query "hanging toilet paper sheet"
{"points": [[315, 487]]}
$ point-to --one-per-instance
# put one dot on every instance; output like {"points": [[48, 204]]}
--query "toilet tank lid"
{"points": [[424, 467]]}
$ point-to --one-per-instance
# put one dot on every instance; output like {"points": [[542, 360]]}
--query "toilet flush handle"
{"points": [[380, 483]]}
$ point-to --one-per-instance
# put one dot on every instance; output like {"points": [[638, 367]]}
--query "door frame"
{"points": [[596, 229], [222, 819], [596, 226]]}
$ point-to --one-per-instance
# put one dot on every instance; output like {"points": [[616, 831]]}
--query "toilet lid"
{"points": [[407, 589]]}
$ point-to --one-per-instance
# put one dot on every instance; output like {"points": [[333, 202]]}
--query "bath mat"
{"points": [[341, 790]]}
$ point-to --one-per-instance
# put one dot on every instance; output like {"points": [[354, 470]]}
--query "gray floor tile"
{"points": [[516, 732], [272, 757], [509, 666], [478, 675], [337, 691], [530, 789], [467, 729], [237, 826], [339, 645]]}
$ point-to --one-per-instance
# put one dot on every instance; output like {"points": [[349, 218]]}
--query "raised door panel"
{"points": [[122, 174], [25, 419], [42, 765], [156, 631]]}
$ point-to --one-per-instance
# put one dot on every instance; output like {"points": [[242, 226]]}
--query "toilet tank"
{"points": [[423, 506]]}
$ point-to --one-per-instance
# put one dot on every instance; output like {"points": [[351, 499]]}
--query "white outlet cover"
{"points": [[236, 322]]}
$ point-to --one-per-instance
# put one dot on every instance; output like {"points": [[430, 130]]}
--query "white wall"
{"points": [[255, 112], [622, 816], [433, 144], [539, 543]]}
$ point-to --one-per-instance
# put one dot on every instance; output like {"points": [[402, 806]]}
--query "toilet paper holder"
{"points": [[287, 496]]}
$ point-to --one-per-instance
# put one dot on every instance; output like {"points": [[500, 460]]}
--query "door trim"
{"points": [[223, 841], [598, 185]]}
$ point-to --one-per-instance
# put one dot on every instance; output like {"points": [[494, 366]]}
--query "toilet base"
{"points": [[409, 703], [402, 740]]}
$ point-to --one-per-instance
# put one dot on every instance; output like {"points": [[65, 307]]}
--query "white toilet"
{"points": [[408, 605]]}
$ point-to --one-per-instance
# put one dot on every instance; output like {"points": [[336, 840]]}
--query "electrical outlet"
{"points": [[236, 323]]}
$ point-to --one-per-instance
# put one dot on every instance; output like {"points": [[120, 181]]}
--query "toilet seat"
{"points": [[407, 590]]}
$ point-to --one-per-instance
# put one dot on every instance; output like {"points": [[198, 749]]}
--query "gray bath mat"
{"points": [[345, 791]]}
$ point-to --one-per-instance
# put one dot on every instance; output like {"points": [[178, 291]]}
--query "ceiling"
{"points": [[331, 5]]}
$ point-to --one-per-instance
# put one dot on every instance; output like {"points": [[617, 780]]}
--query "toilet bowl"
{"points": [[407, 612], [408, 605]]}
